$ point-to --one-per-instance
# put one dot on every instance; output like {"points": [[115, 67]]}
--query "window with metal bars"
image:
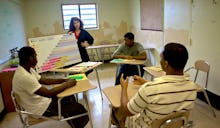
{"points": [[86, 12]]}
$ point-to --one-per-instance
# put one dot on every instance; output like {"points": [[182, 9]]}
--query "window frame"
{"points": [[97, 23]]}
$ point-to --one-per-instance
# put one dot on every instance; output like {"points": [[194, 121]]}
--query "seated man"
{"points": [[170, 93], [129, 50], [37, 99]]}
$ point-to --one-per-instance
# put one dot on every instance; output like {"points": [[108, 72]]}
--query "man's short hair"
{"points": [[129, 35], [25, 53], [176, 54]]}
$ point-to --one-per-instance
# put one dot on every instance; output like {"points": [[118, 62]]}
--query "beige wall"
{"points": [[206, 38], [116, 17], [44, 17], [177, 21], [198, 21]]}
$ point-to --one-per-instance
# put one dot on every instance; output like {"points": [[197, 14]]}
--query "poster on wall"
{"points": [[55, 51]]}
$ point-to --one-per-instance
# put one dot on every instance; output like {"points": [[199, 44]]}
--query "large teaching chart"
{"points": [[55, 51]]}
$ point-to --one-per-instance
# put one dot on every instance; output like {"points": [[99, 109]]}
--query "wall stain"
{"points": [[37, 33], [105, 34]]}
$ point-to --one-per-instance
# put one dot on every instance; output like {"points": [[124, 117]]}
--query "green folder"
{"points": [[77, 77]]}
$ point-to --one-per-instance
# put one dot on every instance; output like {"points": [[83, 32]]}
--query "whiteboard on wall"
{"points": [[55, 51], [12, 33]]}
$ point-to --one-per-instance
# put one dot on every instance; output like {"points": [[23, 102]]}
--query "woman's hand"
{"points": [[138, 80], [85, 44]]}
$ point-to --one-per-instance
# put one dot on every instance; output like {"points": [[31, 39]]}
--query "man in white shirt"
{"points": [[170, 93], [35, 98]]}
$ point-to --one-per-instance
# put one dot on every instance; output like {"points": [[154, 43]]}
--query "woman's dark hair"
{"points": [[72, 27], [176, 54], [25, 53], [129, 35]]}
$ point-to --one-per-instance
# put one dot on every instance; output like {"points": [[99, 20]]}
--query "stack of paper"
{"points": [[77, 68], [155, 68], [87, 64]]}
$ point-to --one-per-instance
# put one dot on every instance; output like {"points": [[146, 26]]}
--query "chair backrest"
{"points": [[173, 120], [15, 98], [26, 118], [201, 65]]}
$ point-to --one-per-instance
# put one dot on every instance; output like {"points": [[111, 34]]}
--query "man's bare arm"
{"points": [[56, 90]]}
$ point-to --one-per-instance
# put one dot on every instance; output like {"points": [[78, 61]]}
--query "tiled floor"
{"points": [[201, 115]]}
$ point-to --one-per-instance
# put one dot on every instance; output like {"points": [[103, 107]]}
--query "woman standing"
{"points": [[84, 39]]}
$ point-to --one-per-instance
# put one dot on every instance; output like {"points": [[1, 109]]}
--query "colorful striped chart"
{"points": [[55, 51]]}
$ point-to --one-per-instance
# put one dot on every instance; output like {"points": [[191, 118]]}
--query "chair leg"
{"points": [[87, 106], [24, 121], [25, 125], [209, 103], [189, 124], [109, 122]]}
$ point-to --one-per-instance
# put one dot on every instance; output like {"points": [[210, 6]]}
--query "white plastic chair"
{"points": [[28, 118], [202, 66]]}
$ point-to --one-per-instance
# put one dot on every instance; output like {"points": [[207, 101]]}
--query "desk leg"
{"points": [[59, 108], [101, 57], [151, 76], [110, 120], [87, 106], [117, 66], [66, 74], [98, 58], [97, 76], [139, 70]]}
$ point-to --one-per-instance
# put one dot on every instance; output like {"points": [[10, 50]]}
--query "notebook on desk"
{"points": [[87, 64], [82, 66], [155, 68], [77, 68], [122, 60]]}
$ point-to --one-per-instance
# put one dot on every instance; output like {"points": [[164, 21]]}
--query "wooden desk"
{"points": [[154, 71], [77, 70], [98, 49], [102, 46], [82, 70], [127, 61], [81, 86], [113, 94]]}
